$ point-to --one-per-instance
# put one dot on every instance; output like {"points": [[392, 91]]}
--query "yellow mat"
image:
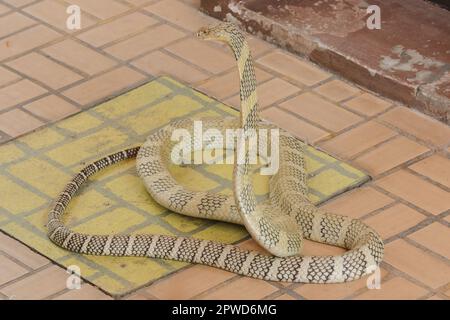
{"points": [[35, 168]]}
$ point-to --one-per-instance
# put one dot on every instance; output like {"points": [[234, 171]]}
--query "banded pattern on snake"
{"points": [[278, 224]]}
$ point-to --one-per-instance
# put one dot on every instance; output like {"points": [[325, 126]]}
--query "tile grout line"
{"points": [[398, 167], [26, 275], [424, 248], [15, 260], [31, 26], [425, 177], [400, 200]]}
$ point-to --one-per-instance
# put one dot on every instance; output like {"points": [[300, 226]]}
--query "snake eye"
{"points": [[202, 33]]}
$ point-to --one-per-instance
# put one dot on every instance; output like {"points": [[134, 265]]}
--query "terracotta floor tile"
{"points": [[180, 14], [4, 9], [234, 102], [157, 37], [26, 40], [19, 92], [159, 63], [188, 283], [117, 29], [416, 191], [275, 90], [258, 46], [447, 293], [368, 104], [268, 93], [87, 292], [358, 139], [102, 9], [79, 56], [16, 122], [333, 291], [55, 14], [337, 90], [435, 297], [293, 67], [389, 155], [285, 297], [21, 252], [222, 86], [45, 70], [203, 55], [228, 84], [137, 2], [251, 244], [298, 127], [49, 281], [192, 3], [436, 168], [417, 263], [320, 111], [10, 270], [14, 22], [394, 220], [419, 125], [358, 202], [435, 237], [4, 137], [394, 289], [7, 76], [241, 289], [104, 85], [18, 3], [51, 108]]}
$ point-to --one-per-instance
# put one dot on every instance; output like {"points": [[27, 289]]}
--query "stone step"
{"points": [[407, 59]]}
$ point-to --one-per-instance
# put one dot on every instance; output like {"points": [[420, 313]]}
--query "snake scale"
{"points": [[279, 224]]}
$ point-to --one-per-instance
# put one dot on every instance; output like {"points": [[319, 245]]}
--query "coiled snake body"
{"points": [[278, 224]]}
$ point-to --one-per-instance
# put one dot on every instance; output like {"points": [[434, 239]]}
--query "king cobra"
{"points": [[279, 224]]}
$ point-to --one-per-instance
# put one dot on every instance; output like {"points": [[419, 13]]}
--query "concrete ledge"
{"points": [[407, 60]]}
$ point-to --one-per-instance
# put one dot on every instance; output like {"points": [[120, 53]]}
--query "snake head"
{"points": [[203, 33], [219, 31]]}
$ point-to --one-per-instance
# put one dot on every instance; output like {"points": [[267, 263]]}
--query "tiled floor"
{"points": [[48, 72]]}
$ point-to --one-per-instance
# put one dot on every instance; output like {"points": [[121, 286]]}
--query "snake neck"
{"points": [[242, 181], [248, 98], [243, 188]]}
